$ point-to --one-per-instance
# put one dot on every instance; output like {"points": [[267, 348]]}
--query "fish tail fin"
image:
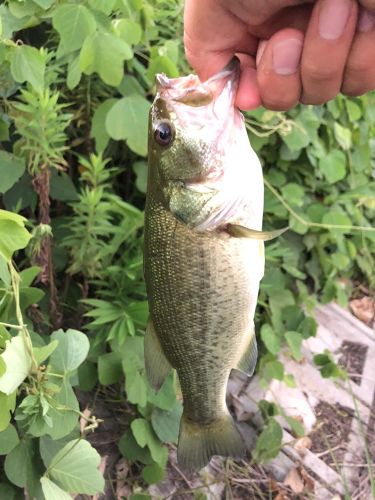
{"points": [[198, 443]]}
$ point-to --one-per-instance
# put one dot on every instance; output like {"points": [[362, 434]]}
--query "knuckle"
{"points": [[278, 103], [317, 73]]}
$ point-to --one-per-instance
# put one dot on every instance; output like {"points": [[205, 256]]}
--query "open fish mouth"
{"points": [[191, 91]]}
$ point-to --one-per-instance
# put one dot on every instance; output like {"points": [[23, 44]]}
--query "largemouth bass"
{"points": [[204, 254]]}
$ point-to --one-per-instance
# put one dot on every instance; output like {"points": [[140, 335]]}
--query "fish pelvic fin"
{"points": [[249, 356], [157, 365], [238, 231], [198, 443]]}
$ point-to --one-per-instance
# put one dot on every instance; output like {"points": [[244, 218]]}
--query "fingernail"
{"points": [[333, 17], [286, 56], [366, 20], [261, 48]]}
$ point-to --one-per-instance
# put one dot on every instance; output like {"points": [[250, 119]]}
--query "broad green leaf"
{"points": [[128, 120], [333, 166], [62, 187], [105, 6], [270, 339], [45, 4], [273, 370], [52, 491], [162, 64], [165, 398], [42, 353], [7, 404], [141, 171], [336, 216], [28, 65], [75, 468], [109, 368], [11, 169], [136, 387], [8, 492], [28, 275], [74, 74], [20, 464], [294, 340], [293, 194], [8, 440], [18, 362], [4, 272], [87, 376], [3, 367], [98, 129], [269, 442], [145, 436], [153, 473], [131, 450], [295, 425], [72, 350], [166, 424], [13, 235], [74, 23], [343, 136], [105, 54], [129, 30], [48, 447], [63, 411]]}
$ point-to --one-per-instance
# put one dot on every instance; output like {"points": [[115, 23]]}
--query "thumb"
{"points": [[212, 36], [368, 4]]}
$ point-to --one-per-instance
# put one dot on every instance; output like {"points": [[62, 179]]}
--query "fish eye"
{"points": [[164, 133]]}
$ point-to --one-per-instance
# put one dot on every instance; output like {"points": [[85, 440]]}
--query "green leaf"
{"points": [[165, 398], [140, 169], [128, 120], [62, 187], [129, 30], [75, 468], [28, 65], [333, 166], [98, 130], [105, 6], [109, 368], [270, 339], [63, 411], [8, 440], [343, 136], [7, 404], [11, 169], [105, 54], [131, 450], [166, 424], [273, 370], [145, 436], [8, 492], [21, 466], [52, 491], [13, 235], [294, 341], [74, 23], [72, 350], [296, 426], [136, 387], [269, 442], [74, 74], [153, 473], [294, 194], [18, 362], [87, 376], [42, 353]]}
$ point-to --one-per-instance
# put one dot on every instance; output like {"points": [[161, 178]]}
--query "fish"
{"points": [[203, 254]]}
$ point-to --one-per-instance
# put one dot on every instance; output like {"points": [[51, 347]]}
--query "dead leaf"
{"points": [[363, 309], [308, 481], [302, 445], [83, 420], [294, 481]]}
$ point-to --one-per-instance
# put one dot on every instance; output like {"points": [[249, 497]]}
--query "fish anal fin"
{"points": [[157, 365], [249, 356], [198, 443]]}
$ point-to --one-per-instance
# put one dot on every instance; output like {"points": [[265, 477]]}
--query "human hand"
{"points": [[305, 51]]}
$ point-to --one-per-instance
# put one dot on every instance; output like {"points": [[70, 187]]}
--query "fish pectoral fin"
{"points": [[197, 442], [249, 357], [238, 231], [157, 365]]}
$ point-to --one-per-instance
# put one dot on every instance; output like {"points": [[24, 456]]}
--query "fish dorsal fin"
{"points": [[238, 231], [249, 357], [157, 365]]}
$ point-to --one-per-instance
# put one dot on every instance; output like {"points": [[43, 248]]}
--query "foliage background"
{"points": [[76, 83]]}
